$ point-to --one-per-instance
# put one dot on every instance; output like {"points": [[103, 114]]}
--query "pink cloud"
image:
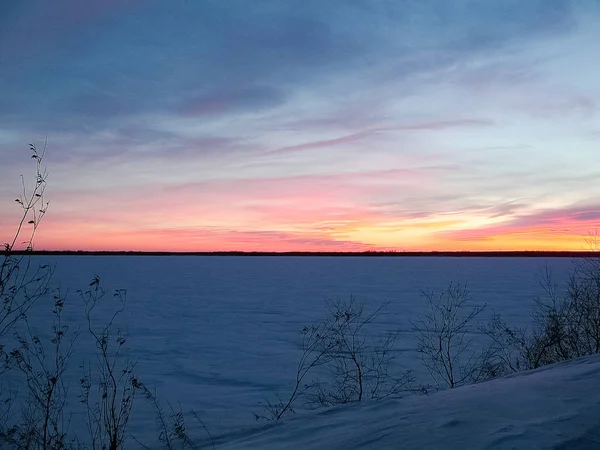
{"points": [[298, 213], [196, 240], [314, 207], [308, 227]]}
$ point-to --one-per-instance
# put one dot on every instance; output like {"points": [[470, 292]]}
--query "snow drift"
{"points": [[555, 407]]}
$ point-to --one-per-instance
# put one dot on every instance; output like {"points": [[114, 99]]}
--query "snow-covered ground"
{"points": [[555, 407], [219, 335]]}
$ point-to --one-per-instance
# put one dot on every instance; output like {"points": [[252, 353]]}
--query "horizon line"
{"points": [[365, 253]]}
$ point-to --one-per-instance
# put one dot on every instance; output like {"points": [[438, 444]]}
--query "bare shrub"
{"points": [[315, 353], [509, 349], [32, 415], [116, 383], [565, 326], [41, 422], [444, 345], [356, 366], [171, 425], [22, 283], [582, 308], [110, 405]]}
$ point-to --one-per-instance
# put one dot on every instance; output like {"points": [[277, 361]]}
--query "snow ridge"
{"points": [[554, 407]]}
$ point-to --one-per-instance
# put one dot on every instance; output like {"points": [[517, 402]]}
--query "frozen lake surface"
{"points": [[221, 334]]}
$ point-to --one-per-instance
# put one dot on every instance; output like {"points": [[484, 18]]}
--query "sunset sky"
{"points": [[304, 125]]}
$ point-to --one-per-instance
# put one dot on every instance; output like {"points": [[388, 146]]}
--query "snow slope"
{"points": [[555, 407]]}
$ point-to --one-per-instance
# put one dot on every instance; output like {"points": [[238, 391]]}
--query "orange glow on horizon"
{"points": [[431, 236], [263, 216]]}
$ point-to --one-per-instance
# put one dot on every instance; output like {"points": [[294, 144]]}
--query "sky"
{"points": [[304, 125]]}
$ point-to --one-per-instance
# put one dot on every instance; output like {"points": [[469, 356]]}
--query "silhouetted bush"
{"points": [[565, 325], [445, 343], [32, 414], [354, 365]]}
